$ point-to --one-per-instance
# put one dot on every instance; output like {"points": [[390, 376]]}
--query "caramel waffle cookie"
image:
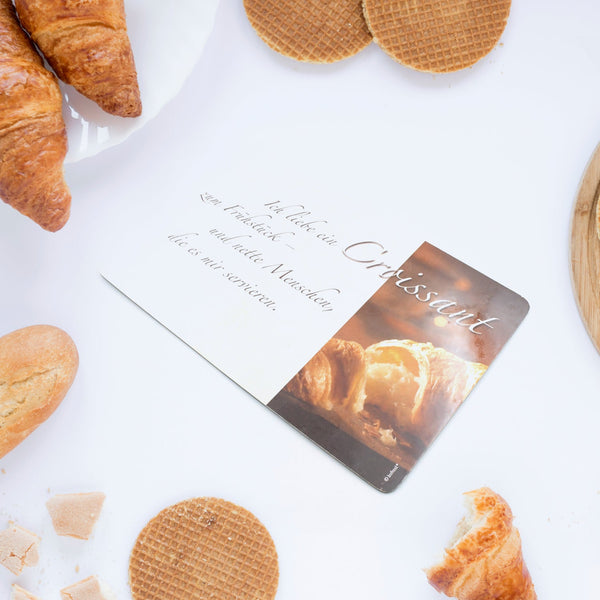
{"points": [[204, 548], [437, 36], [308, 31]]}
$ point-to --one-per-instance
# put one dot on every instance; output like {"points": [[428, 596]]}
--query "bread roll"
{"points": [[37, 367]]}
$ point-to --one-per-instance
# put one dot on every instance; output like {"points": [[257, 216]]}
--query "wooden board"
{"points": [[585, 249]]}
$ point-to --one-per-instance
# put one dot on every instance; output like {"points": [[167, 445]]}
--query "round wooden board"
{"points": [[585, 249]]}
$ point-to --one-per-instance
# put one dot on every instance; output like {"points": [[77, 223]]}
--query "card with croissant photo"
{"points": [[377, 394], [368, 359]]}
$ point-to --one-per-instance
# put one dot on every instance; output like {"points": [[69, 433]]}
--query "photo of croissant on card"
{"points": [[382, 388]]}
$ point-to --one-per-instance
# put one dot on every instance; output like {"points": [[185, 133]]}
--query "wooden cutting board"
{"points": [[585, 249]]}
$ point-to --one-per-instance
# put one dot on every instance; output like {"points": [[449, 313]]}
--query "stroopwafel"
{"points": [[437, 36], [204, 548], [316, 32]]}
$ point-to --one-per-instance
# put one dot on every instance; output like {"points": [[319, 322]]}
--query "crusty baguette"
{"points": [[87, 45], [484, 560], [37, 367], [33, 137]]}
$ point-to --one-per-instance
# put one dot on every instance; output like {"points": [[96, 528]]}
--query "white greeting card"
{"points": [[254, 287], [365, 353]]}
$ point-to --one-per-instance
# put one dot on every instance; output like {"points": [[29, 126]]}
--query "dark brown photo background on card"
{"points": [[393, 313], [380, 391]]}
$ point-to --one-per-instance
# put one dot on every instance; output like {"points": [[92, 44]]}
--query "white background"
{"points": [[484, 164]]}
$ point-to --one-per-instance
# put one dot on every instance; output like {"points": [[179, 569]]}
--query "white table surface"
{"points": [[484, 163]]}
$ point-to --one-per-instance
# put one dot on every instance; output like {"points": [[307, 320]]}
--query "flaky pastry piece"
{"points": [[19, 593], [333, 384], [394, 397], [33, 137], [484, 560], [334, 379], [75, 515], [416, 385], [87, 45]]}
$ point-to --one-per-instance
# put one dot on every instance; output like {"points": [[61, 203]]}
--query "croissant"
{"points": [[484, 560], [33, 137], [418, 385], [86, 43], [334, 379], [394, 396]]}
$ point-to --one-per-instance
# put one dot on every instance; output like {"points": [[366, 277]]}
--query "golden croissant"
{"points": [[87, 45], [484, 560], [33, 137], [334, 378], [394, 396]]}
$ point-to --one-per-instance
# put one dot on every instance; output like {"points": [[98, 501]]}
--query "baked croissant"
{"points": [[86, 43], [334, 379], [33, 137], [394, 397], [484, 560], [418, 385]]}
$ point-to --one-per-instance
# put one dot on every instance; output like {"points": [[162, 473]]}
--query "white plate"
{"points": [[167, 39]]}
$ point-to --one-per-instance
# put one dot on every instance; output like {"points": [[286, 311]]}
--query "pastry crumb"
{"points": [[87, 589], [75, 515], [18, 548], [19, 593]]}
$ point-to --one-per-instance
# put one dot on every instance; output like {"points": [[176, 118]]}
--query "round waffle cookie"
{"points": [[319, 32], [437, 36], [204, 548]]}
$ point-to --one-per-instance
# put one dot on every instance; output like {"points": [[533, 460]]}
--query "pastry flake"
{"points": [[90, 588], [394, 396], [19, 593], [18, 548], [75, 515]]}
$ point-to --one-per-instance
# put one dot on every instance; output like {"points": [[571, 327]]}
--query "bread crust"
{"points": [[486, 560], [33, 136], [37, 367], [87, 45]]}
